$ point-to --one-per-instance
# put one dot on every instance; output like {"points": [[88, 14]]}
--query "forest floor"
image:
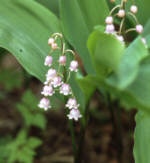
{"points": [[108, 138]]}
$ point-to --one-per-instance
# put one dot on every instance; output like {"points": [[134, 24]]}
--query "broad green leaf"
{"points": [[142, 138], [137, 93], [133, 76], [130, 62], [25, 32], [106, 51], [86, 86], [78, 20], [51, 5], [82, 89], [147, 29], [25, 27], [140, 88]]}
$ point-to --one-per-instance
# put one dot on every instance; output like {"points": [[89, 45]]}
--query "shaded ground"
{"points": [[107, 139]]}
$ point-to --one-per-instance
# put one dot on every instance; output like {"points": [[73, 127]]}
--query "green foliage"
{"points": [[79, 23], [143, 6], [10, 78], [142, 138], [123, 72], [87, 87], [52, 5], [130, 67], [147, 29], [82, 89], [128, 82], [29, 110], [28, 45], [25, 33], [106, 51], [22, 148], [3, 148], [130, 63]]}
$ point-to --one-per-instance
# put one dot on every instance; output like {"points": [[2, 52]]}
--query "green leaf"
{"points": [[106, 51], [86, 86], [136, 94], [22, 149], [30, 112], [52, 5], [131, 81], [142, 138], [79, 23], [130, 63], [140, 88], [147, 28], [3, 150], [25, 33]]}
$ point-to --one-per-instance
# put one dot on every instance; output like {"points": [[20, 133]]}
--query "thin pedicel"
{"points": [[122, 13]]}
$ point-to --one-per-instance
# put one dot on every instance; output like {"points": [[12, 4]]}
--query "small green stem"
{"points": [[71, 127], [72, 132], [111, 12], [121, 26], [117, 125], [134, 17], [130, 30], [122, 4], [84, 124]]}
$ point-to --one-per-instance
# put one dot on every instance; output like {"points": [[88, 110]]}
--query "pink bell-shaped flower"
{"points": [[48, 61], [65, 89], [44, 104], [74, 114]]}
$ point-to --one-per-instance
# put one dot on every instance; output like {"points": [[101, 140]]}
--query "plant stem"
{"points": [[71, 127], [84, 124], [116, 121]]}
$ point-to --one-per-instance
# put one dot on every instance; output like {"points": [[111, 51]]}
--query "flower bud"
{"points": [[110, 28], [62, 60], [74, 114], [44, 103], [121, 13], [48, 61], [56, 82], [73, 66], [50, 74], [143, 40], [139, 28], [65, 89], [109, 20], [120, 38], [72, 103], [50, 41], [134, 9], [47, 90], [54, 46], [112, 1]]}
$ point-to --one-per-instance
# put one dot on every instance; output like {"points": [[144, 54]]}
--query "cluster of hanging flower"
{"points": [[121, 13], [57, 81]]}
